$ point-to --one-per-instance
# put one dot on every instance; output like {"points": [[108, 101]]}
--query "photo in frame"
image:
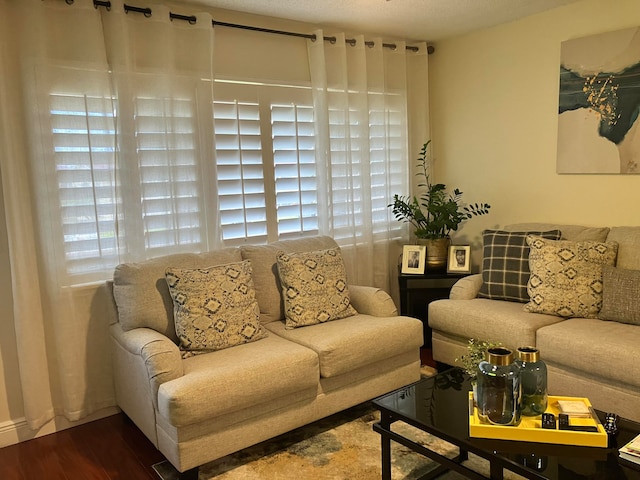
{"points": [[459, 259], [413, 259]]}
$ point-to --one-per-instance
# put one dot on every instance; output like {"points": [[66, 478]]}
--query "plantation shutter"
{"points": [[387, 157], [83, 136], [267, 174], [241, 189], [166, 136], [295, 172]]}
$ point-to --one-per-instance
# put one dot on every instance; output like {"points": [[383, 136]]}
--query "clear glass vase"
{"points": [[499, 388], [533, 378]]}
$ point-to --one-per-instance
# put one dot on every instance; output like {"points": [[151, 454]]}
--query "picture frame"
{"points": [[414, 258], [459, 259]]}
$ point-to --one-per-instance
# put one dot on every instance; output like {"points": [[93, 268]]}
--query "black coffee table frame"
{"points": [[444, 463], [439, 405]]}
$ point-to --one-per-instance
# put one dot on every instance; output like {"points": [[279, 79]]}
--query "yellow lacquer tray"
{"points": [[530, 428]]}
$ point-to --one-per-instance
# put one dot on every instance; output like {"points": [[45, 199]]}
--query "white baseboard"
{"points": [[11, 431], [17, 430]]}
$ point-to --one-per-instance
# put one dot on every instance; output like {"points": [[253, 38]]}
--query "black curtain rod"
{"points": [[312, 36], [192, 20]]}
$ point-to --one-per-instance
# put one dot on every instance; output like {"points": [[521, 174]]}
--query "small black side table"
{"points": [[417, 291]]}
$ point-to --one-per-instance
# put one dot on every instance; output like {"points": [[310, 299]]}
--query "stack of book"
{"points": [[631, 451]]}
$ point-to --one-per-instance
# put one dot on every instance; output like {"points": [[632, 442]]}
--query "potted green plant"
{"points": [[435, 213]]}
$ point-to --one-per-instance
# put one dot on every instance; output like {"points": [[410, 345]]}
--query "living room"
{"points": [[494, 126]]}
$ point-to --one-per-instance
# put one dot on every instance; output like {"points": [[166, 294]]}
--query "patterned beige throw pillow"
{"points": [[566, 277], [215, 307], [314, 287]]}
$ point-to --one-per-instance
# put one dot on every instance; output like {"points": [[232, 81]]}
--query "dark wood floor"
{"points": [[426, 357], [107, 449]]}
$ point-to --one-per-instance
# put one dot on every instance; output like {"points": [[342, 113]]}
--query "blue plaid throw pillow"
{"points": [[505, 264]]}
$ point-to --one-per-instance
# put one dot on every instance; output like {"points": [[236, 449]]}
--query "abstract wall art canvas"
{"points": [[599, 104]]}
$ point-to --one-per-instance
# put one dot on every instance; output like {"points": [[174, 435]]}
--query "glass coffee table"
{"points": [[439, 405]]}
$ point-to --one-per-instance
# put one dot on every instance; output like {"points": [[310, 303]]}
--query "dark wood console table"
{"points": [[417, 291]]}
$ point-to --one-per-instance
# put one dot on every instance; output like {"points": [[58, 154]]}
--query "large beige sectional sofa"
{"points": [[589, 357], [203, 407]]}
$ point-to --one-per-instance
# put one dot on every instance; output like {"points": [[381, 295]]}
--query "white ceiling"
{"points": [[429, 20]]}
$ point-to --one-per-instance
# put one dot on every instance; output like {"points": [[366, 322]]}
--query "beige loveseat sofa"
{"points": [[206, 406], [588, 357]]}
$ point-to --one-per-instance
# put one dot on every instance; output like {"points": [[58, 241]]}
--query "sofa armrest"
{"points": [[154, 352], [466, 288], [372, 301]]}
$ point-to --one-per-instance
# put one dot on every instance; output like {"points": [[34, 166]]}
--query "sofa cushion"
{"points": [[314, 287], [233, 379], [142, 294], [566, 277], [505, 263], [620, 295], [265, 273], [576, 233], [485, 319], [353, 342], [215, 307], [599, 348]]}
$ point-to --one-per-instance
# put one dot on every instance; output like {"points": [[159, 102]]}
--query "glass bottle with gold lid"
{"points": [[533, 378], [499, 389]]}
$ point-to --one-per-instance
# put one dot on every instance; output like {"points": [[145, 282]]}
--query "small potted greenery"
{"points": [[476, 350], [435, 213]]}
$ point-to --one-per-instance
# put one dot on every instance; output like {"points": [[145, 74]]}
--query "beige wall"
{"points": [[494, 119]]}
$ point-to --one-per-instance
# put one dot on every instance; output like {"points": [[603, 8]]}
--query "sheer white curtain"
{"points": [[360, 101], [44, 42], [163, 78], [107, 155], [116, 106]]}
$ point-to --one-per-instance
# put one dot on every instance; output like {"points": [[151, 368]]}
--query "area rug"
{"points": [[340, 447]]}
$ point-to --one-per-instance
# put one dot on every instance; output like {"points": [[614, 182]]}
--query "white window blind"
{"points": [[363, 182], [83, 136], [267, 174], [295, 172], [346, 175], [166, 132], [387, 127], [264, 182], [164, 215], [240, 170]]}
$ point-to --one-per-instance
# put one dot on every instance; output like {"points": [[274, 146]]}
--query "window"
{"points": [[240, 170], [150, 191], [365, 179], [294, 159], [83, 136], [169, 181], [387, 157], [266, 161]]}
